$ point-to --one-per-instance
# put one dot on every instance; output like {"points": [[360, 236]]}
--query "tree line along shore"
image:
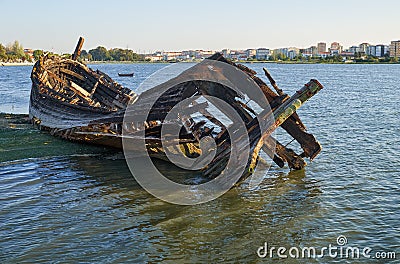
{"points": [[15, 54]]}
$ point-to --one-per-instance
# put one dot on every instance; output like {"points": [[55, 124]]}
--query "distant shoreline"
{"points": [[278, 62], [308, 62], [17, 63], [127, 62], [170, 62], [266, 61]]}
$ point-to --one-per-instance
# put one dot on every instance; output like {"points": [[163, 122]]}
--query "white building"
{"points": [[171, 55], [377, 51], [292, 53], [263, 54], [251, 53], [226, 53], [153, 57], [311, 51], [381, 50], [354, 49], [282, 51], [364, 47], [371, 50]]}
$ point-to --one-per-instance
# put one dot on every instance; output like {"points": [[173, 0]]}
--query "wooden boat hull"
{"points": [[76, 103]]}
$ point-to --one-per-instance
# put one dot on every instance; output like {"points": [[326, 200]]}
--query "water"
{"points": [[64, 202]]}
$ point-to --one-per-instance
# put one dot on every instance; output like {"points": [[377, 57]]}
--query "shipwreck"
{"points": [[74, 102]]}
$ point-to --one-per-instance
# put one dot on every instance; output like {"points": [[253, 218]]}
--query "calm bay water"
{"points": [[64, 202]]}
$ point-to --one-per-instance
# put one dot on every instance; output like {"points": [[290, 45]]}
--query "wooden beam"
{"points": [[78, 48]]}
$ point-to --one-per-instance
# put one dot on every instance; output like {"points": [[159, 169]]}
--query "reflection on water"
{"points": [[89, 206], [65, 202]]}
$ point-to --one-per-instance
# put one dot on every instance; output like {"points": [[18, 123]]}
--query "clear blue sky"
{"points": [[150, 25]]}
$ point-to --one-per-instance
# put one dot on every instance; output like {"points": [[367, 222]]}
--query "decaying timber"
{"points": [[71, 101]]}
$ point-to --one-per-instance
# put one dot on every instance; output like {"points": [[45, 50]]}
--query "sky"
{"points": [[174, 25]]}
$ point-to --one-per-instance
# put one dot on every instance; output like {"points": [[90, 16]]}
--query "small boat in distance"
{"points": [[125, 74]]}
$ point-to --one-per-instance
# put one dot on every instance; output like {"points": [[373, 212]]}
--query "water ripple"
{"points": [[64, 202]]}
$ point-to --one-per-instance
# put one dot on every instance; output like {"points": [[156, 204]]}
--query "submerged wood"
{"points": [[74, 102]]}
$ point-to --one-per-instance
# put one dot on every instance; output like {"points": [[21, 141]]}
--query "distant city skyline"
{"points": [[320, 50], [148, 26]]}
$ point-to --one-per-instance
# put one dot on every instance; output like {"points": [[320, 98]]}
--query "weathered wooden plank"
{"points": [[78, 48]]}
